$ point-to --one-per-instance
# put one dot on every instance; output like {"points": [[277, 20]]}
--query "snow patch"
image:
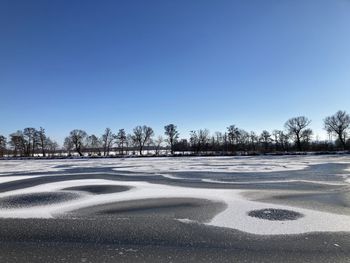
{"points": [[235, 216]]}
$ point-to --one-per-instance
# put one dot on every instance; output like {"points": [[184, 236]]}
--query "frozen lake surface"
{"points": [[253, 198]]}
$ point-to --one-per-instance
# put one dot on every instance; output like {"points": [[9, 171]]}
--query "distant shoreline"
{"points": [[238, 154]]}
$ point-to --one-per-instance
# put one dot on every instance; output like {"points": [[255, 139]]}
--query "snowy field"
{"points": [[50, 189], [203, 164]]}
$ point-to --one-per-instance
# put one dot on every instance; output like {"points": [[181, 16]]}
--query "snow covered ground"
{"points": [[242, 164], [234, 216]]}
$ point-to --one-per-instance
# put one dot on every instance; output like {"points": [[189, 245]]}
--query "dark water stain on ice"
{"points": [[99, 189], [200, 210], [35, 199], [275, 214]]}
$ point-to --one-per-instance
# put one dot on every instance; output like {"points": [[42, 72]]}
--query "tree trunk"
{"points": [[43, 148], [299, 143], [141, 148]]}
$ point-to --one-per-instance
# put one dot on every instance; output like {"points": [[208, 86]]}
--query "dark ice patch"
{"points": [[35, 199], [275, 214], [99, 189], [200, 210]]}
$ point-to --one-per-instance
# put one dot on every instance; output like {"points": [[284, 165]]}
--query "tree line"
{"points": [[295, 137]]}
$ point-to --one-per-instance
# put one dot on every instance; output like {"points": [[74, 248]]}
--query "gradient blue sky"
{"points": [[198, 64]]}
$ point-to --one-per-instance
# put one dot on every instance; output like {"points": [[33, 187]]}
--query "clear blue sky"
{"points": [[199, 64]]}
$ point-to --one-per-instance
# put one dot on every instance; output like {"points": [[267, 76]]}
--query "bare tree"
{"points": [[265, 139], [225, 142], [68, 145], [94, 144], [281, 140], [243, 140], [107, 140], [42, 140], [306, 137], [121, 140], [77, 138], [232, 135], [18, 143], [3, 143], [149, 144], [31, 140], [217, 141], [182, 145], [253, 140], [129, 143], [199, 140], [158, 144], [141, 136], [172, 135], [203, 139], [338, 124], [297, 136], [295, 127], [194, 141], [51, 146]]}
